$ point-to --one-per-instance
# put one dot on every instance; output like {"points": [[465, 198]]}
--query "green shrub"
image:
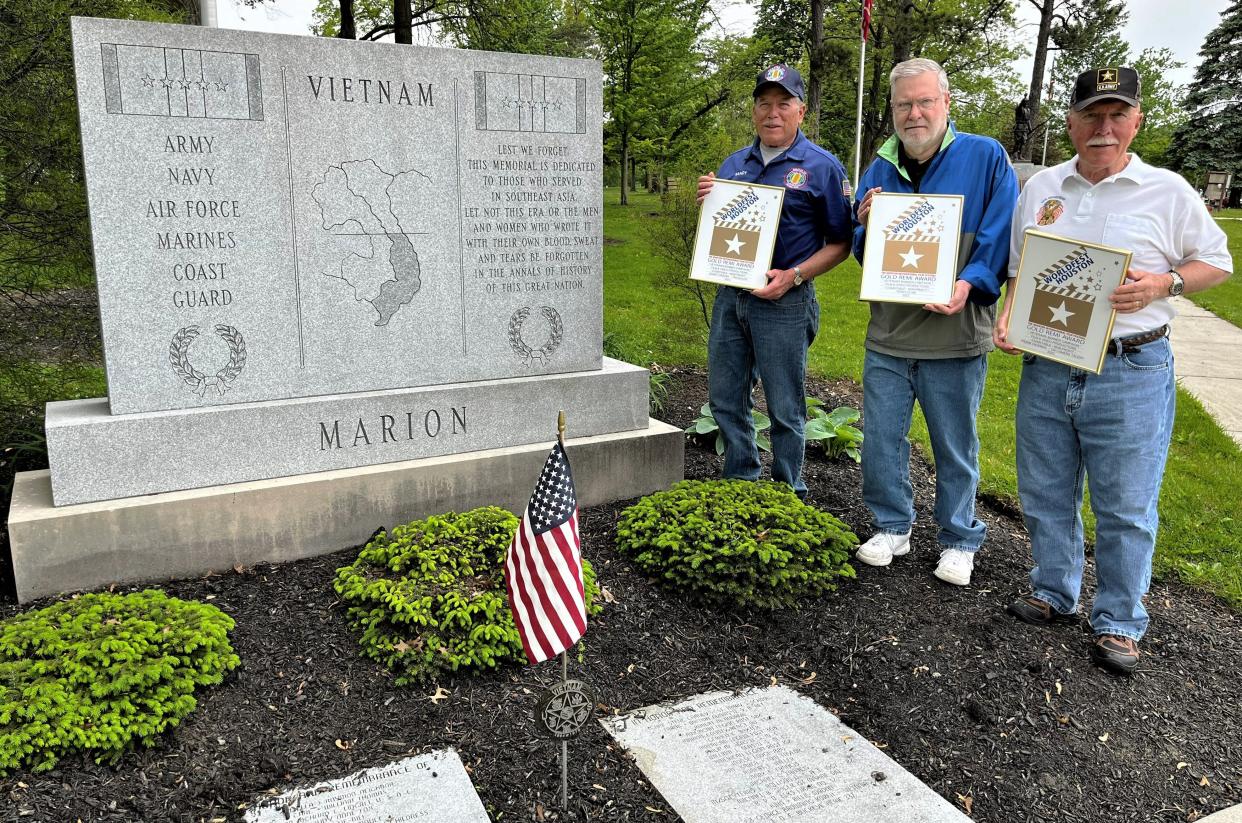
{"points": [[736, 542], [430, 597], [102, 672]]}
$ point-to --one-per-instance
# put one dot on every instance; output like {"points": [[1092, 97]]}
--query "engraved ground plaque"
{"points": [[771, 756], [430, 788], [277, 217]]}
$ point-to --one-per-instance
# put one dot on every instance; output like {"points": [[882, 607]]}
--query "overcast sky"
{"points": [[1152, 23]]}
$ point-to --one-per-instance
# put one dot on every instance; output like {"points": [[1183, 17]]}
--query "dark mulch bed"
{"points": [[975, 704]]}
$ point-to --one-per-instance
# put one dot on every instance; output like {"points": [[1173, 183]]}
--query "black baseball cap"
{"points": [[1110, 83], [787, 77]]}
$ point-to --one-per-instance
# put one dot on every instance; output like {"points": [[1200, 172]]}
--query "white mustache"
{"points": [[1103, 141]]}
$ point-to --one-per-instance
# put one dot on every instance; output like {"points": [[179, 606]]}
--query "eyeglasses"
{"points": [[926, 104]]}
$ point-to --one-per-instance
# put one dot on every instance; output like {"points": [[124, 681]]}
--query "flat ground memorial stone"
{"points": [[770, 756], [430, 788]]}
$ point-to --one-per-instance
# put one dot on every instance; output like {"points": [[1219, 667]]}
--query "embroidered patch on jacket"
{"points": [[846, 189], [797, 178], [1050, 211]]}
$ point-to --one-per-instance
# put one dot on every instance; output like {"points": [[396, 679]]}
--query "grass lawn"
{"points": [[1225, 300], [1201, 524]]}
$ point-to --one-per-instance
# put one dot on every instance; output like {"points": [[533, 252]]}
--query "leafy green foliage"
{"points": [[834, 431], [737, 542], [705, 424], [430, 597], [102, 672]]}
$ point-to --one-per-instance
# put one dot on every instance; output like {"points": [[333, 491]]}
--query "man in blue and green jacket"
{"points": [[935, 353]]}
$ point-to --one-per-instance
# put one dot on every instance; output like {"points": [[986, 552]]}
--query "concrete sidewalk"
{"points": [[1208, 351]]}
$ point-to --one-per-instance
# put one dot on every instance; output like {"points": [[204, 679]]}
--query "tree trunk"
{"points": [[1037, 75], [403, 22], [347, 30], [625, 167], [817, 68]]}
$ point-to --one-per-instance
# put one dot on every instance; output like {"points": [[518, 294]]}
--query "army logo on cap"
{"points": [[775, 73], [1106, 80]]}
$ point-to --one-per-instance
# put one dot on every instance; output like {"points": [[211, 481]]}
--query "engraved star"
{"points": [[221, 85], [166, 82], [1061, 315], [185, 84], [735, 245], [909, 258], [148, 81]]}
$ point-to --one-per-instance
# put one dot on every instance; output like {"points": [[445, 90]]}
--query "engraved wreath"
{"points": [[545, 350], [178, 356]]}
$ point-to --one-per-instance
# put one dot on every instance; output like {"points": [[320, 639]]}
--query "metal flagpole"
{"points": [[560, 438], [862, 59]]}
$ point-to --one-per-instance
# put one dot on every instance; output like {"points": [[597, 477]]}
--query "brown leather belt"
{"points": [[1135, 342]]}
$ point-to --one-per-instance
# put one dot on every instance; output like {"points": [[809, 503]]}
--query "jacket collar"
{"points": [[888, 151], [795, 152]]}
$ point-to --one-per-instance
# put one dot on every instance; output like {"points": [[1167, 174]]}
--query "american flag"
{"points": [[543, 571], [866, 20]]}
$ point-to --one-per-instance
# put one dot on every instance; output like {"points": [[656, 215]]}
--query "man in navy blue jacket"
{"points": [[936, 353], [766, 332]]}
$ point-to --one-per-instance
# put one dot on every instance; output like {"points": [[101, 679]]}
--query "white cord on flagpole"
{"points": [[862, 57]]}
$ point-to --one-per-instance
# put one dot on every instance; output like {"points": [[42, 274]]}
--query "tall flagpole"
{"points": [[862, 59], [560, 438]]}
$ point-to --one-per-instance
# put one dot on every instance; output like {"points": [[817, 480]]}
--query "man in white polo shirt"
{"points": [[1111, 429]]}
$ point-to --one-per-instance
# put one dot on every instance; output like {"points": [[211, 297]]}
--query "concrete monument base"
{"points": [[98, 456], [188, 533]]}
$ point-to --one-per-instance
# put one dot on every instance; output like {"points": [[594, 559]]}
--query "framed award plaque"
{"points": [[1060, 308], [912, 247], [737, 233]]}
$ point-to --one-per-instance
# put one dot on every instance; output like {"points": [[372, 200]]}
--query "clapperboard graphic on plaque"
{"points": [[913, 256], [736, 234], [1061, 309]]}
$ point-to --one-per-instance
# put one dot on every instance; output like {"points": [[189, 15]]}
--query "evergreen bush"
{"points": [[737, 542], [430, 597], [102, 672]]}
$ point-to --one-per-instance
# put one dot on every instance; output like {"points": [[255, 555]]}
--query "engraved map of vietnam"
{"points": [[362, 206]]}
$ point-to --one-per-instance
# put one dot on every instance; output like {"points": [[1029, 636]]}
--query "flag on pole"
{"points": [[866, 20], [543, 572]]}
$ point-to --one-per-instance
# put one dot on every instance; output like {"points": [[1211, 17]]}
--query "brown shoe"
{"points": [[1115, 654], [1031, 609]]}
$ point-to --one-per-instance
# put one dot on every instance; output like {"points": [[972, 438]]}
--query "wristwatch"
{"points": [[798, 281], [1178, 285]]}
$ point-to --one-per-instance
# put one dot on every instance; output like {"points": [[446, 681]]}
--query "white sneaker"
{"points": [[955, 566], [883, 547]]}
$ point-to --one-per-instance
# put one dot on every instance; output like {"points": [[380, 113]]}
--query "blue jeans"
{"points": [[1113, 431], [766, 339], [949, 392]]}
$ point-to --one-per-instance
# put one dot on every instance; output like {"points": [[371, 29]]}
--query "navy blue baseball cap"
{"points": [[787, 77]]}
